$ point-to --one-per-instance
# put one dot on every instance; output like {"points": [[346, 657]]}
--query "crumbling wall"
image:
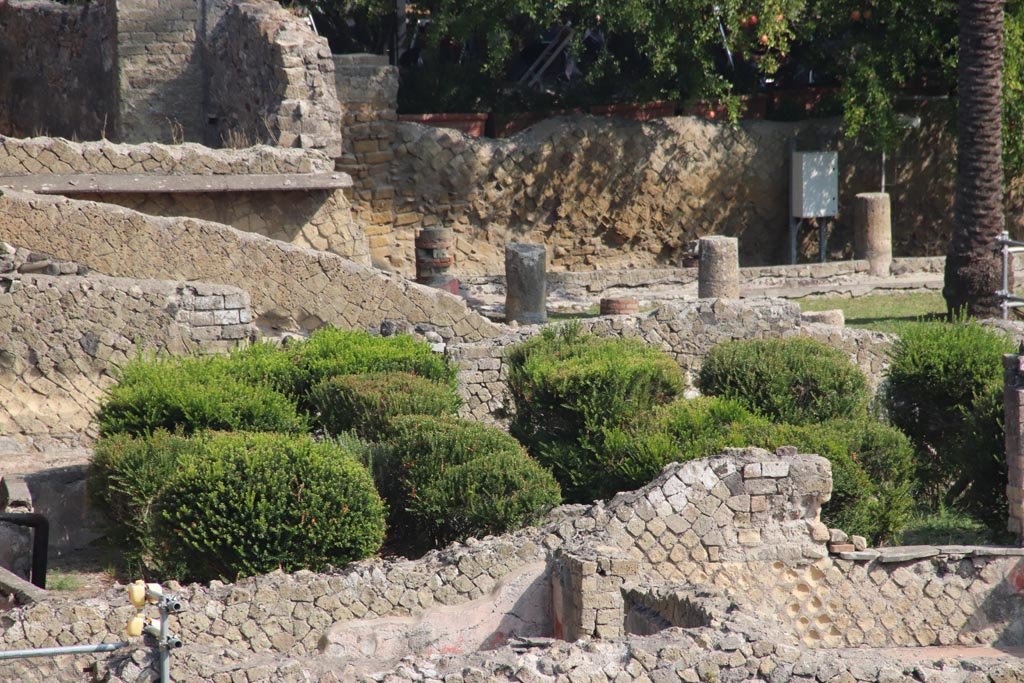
{"points": [[50, 155], [610, 193], [368, 91], [160, 71], [63, 337], [57, 68], [291, 288], [315, 219], [272, 80], [770, 598], [687, 330]]}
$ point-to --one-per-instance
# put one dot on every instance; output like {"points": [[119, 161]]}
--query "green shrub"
{"points": [[446, 479], [223, 505], [192, 394], [569, 388], [872, 464], [126, 476], [945, 392], [330, 352], [266, 363], [366, 404], [798, 380], [245, 504]]}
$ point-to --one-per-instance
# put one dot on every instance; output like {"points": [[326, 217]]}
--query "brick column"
{"points": [[1013, 402]]}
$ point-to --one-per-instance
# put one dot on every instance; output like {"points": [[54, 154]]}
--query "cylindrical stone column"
{"points": [[872, 231], [718, 272], [434, 258], [526, 283], [620, 307]]}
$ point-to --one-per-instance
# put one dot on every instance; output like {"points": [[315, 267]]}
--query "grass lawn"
{"points": [[882, 312]]}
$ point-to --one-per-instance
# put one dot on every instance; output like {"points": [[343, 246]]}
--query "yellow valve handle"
{"points": [[154, 591], [135, 625], [137, 594]]}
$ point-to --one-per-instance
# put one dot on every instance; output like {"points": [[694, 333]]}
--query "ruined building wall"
{"points": [[609, 193], [316, 219], [368, 91], [160, 71], [57, 68], [271, 80], [62, 339], [737, 536], [291, 288]]}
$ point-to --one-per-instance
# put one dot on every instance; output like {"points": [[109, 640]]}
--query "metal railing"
{"points": [[140, 594], [1008, 299]]}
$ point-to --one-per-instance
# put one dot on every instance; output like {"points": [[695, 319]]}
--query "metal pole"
{"points": [[165, 654], [56, 651], [1004, 293]]}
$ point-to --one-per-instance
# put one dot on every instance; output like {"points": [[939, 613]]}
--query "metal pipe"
{"points": [[56, 651], [40, 540], [1005, 291], [165, 648]]}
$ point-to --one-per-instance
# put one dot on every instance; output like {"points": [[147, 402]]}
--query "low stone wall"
{"points": [[57, 68], [272, 80], [62, 340], [769, 599], [686, 330], [292, 289], [49, 155]]}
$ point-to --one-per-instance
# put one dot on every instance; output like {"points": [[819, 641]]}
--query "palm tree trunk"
{"points": [[973, 268]]}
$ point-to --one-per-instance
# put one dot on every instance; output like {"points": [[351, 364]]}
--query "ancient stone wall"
{"points": [[726, 554], [271, 79], [62, 339], [57, 68], [160, 71], [316, 219], [368, 90], [610, 193], [292, 288], [313, 220], [57, 156], [686, 330]]}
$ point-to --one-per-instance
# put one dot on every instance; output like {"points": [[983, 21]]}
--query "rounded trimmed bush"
{"points": [[872, 463], [126, 475], [225, 505], [446, 479], [568, 389], [189, 395], [797, 380], [944, 390], [330, 352], [366, 404], [245, 504]]}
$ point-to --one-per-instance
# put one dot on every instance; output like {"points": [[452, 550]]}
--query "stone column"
{"points": [[718, 273], [434, 259], [1013, 406], [525, 283], [872, 231]]}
